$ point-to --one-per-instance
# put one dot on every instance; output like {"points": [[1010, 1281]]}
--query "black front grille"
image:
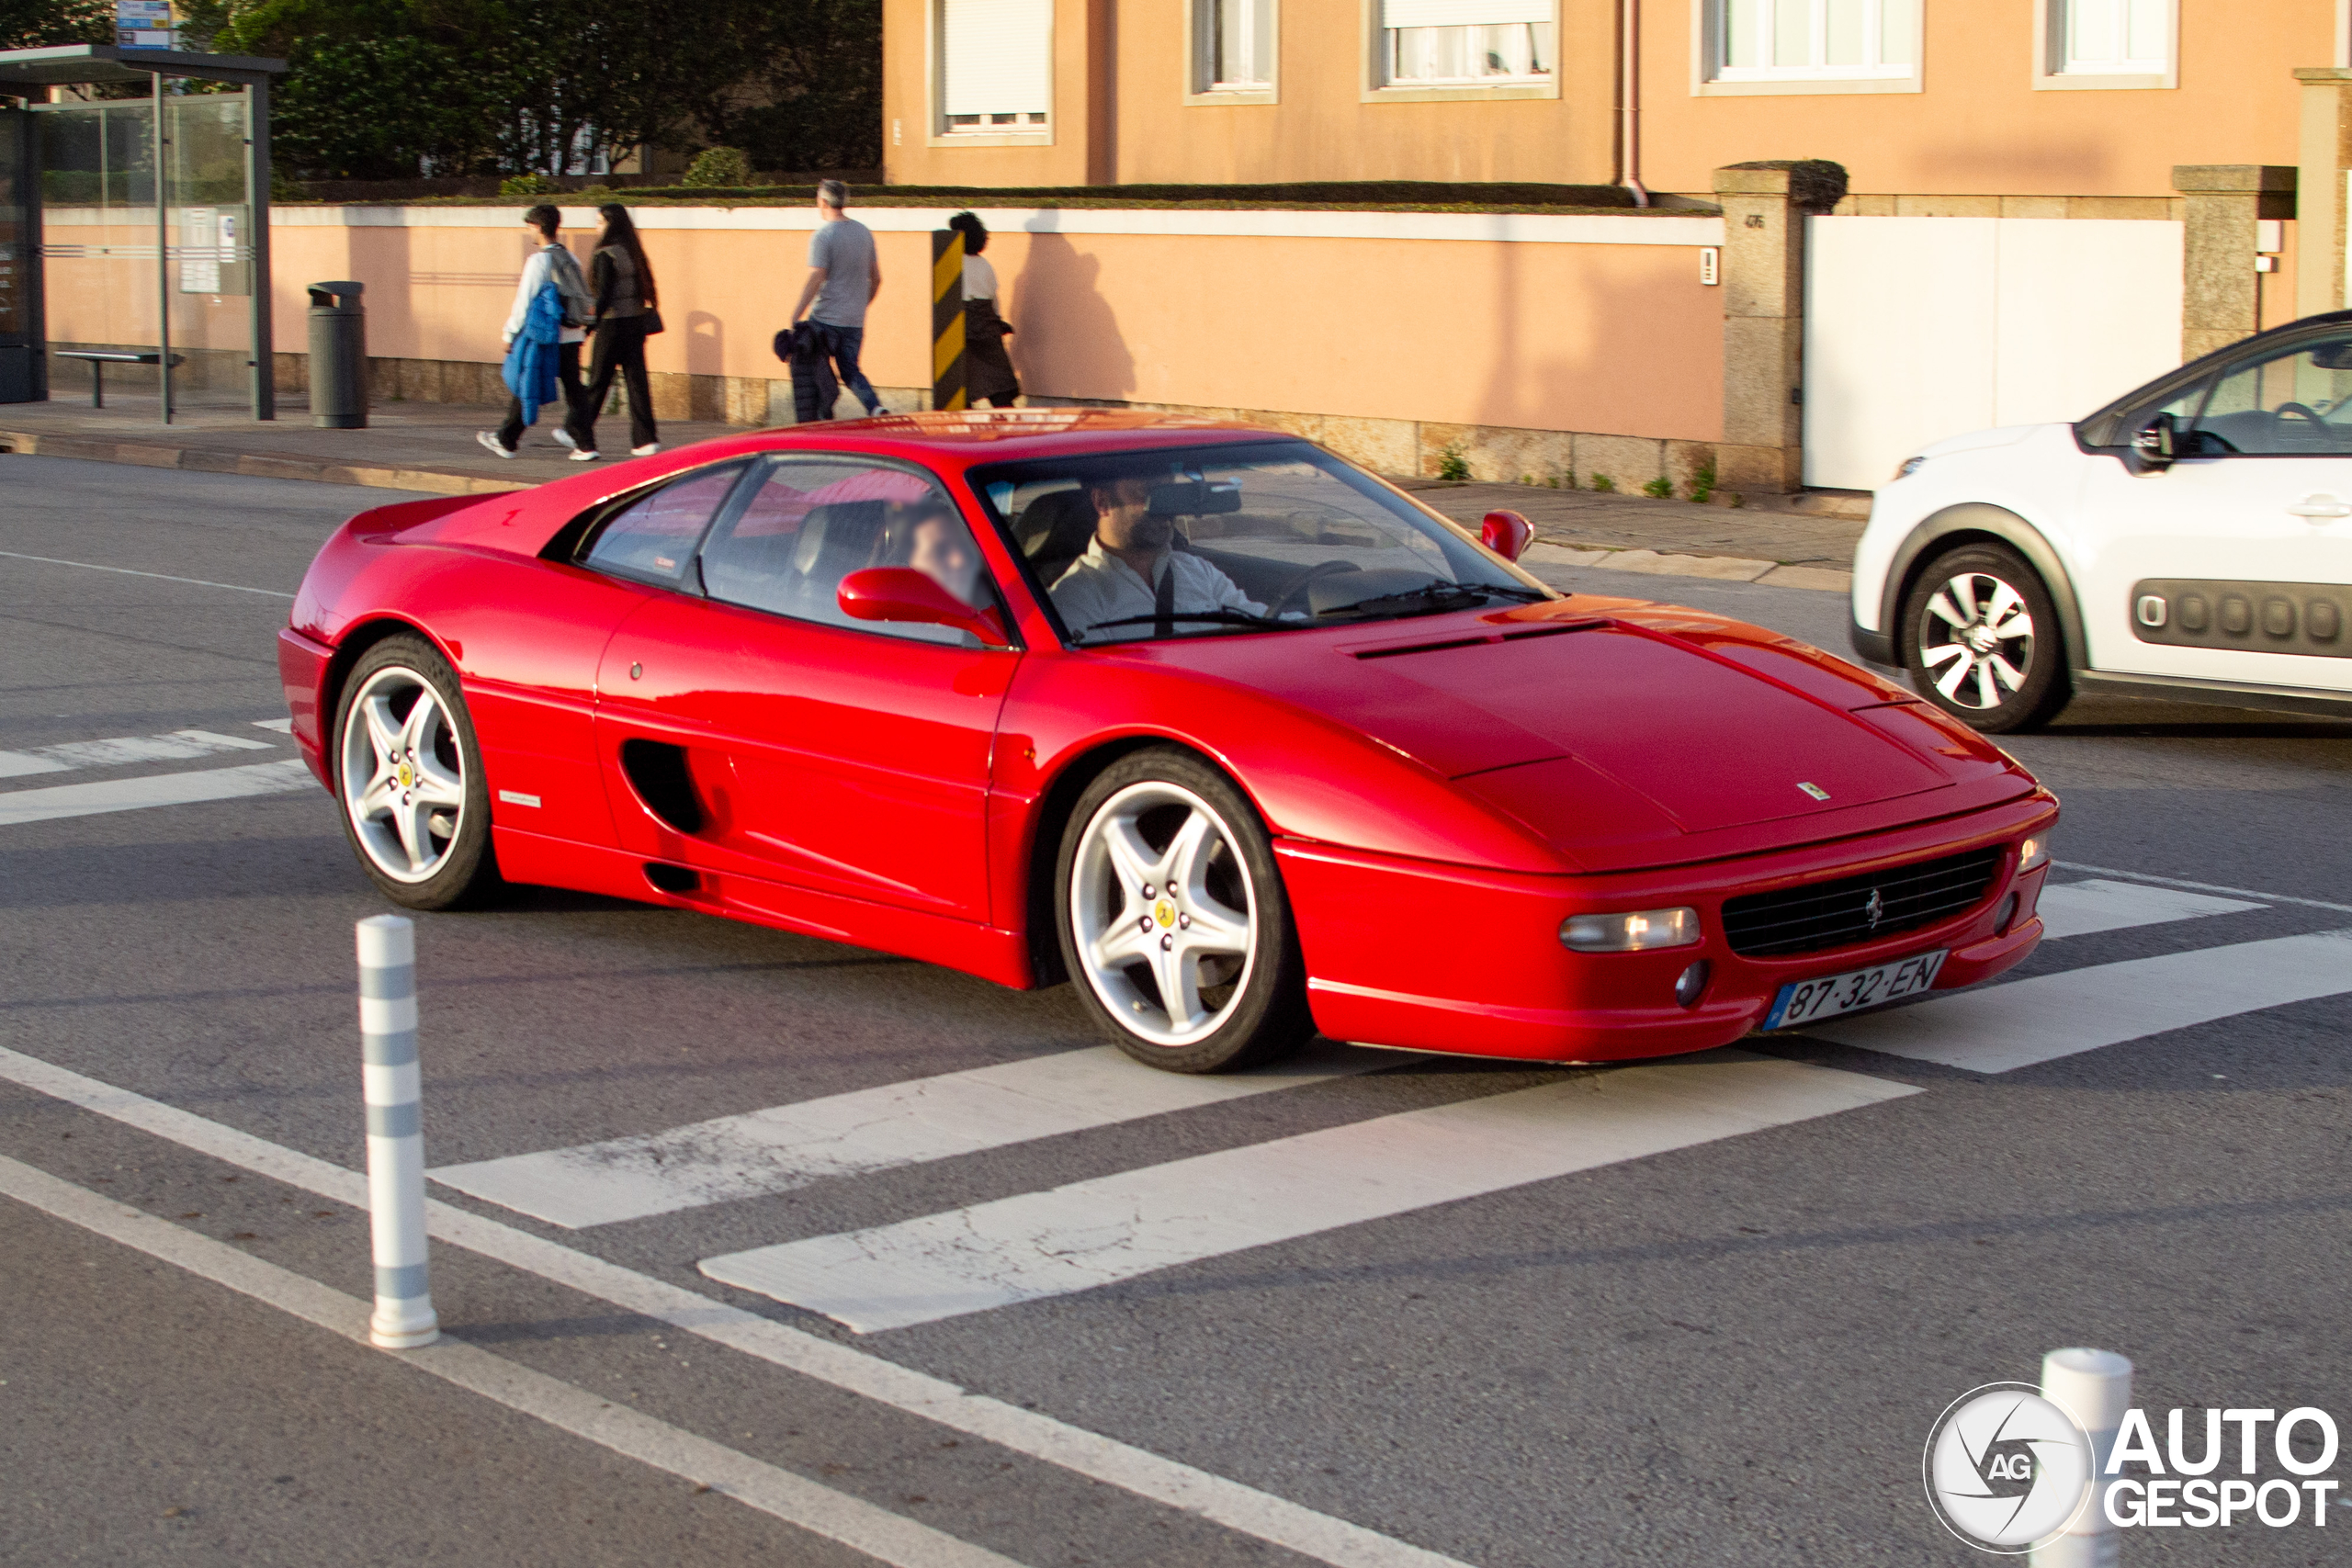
{"points": [[1832, 914]]}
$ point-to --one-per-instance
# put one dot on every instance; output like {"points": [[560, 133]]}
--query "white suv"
{"points": [[2192, 540]]}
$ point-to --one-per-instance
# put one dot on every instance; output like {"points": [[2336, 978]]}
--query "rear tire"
{"points": [[1980, 635], [408, 775], [1173, 922]]}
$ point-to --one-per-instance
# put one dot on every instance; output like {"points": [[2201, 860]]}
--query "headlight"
{"points": [[2034, 851], [1631, 933], [1907, 468]]}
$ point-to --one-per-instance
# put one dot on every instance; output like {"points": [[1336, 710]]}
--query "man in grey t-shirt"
{"points": [[844, 276]]}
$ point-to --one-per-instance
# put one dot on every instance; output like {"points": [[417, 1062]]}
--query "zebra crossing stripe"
{"points": [[22, 806], [2023, 1022], [1116, 1227], [2080, 908], [786, 1146], [174, 747]]}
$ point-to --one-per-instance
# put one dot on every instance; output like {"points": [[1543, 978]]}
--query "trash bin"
{"points": [[338, 357]]}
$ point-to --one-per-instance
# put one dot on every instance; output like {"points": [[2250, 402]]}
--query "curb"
{"points": [[1722, 568], [197, 460], [1544, 552]]}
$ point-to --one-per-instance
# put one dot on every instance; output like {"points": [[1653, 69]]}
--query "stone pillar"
{"points": [[1765, 205], [2220, 299], [2326, 153]]}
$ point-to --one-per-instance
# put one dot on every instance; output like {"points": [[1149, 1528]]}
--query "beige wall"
{"points": [[1981, 125], [1606, 338]]}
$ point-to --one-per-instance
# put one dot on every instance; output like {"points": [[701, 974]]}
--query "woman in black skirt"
{"points": [[987, 372]]}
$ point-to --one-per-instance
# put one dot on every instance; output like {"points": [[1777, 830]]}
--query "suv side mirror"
{"points": [[2158, 443], [902, 593]]}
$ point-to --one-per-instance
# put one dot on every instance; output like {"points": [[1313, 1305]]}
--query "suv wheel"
{"points": [[1980, 637]]}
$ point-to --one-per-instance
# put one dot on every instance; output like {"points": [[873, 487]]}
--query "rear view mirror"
{"points": [[1194, 498], [1507, 534], [902, 593], [2157, 442]]}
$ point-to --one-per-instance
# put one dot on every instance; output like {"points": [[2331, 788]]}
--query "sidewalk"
{"points": [[431, 446]]}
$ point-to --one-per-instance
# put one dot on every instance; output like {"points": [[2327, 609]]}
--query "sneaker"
{"points": [[646, 450], [563, 438], [584, 454], [490, 439]]}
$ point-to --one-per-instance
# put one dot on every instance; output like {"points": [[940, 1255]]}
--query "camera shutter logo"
{"points": [[2006, 1469]]}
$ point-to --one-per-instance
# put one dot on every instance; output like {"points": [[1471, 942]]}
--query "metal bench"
{"points": [[99, 358]]}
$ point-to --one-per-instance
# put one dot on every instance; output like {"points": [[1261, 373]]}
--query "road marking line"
{"points": [[1116, 1227], [159, 576], [2205, 886], [176, 747], [819, 1509], [2022, 1022], [2080, 908], [283, 726], [22, 806], [786, 1147], [1178, 1486]]}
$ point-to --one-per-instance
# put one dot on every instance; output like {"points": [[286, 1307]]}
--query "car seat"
{"points": [[1053, 531], [834, 541]]}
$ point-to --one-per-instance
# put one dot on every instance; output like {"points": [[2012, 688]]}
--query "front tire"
{"points": [[408, 775], [1173, 921], [1980, 636]]}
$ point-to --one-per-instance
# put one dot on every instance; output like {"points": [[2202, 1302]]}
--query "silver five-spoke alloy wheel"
{"points": [[1986, 640], [1163, 913], [403, 774]]}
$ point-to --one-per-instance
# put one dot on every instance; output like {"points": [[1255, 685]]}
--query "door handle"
{"points": [[2321, 505]]}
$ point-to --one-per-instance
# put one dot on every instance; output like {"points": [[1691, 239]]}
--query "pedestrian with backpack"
{"points": [[626, 310], [550, 264]]}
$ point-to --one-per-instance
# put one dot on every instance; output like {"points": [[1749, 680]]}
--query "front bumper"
{"points": [[1449, 959], [1875, 647], [302, 671]]}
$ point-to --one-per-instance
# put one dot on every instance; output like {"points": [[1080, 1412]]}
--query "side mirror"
{"points": [[1507, 534], [2158, 444], [902, 593]]}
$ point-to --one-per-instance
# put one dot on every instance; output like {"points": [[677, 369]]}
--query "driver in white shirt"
{"points": [[1120, 574]]}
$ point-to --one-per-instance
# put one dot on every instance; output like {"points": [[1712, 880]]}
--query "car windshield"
{"points": [[1210, 541]]}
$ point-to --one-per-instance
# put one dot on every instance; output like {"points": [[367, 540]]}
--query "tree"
{"points": [[813, 97], [37, 24]]}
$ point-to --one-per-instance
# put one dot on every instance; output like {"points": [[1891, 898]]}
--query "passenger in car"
{"points": [[930, 537], [1132, 567]]}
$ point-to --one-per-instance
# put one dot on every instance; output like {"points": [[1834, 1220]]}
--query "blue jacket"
{"points": [[530, 372]]}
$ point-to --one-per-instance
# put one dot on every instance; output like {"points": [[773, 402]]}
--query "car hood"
{"points": [[1983, 440], [1626, 734]]}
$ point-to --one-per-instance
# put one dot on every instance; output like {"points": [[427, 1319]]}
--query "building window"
{"points": [[1826, 41], [1234, 46], [2110, 38], [995, 61], [1466, 43]]}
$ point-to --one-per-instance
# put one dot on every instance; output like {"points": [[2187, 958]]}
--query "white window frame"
{"points": [[2049, 73], [940, 133], [1377, 89], [1200, 88], [1710, 78]]}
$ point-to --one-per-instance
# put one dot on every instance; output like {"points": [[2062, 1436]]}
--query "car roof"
{"points": [[963, 438]]}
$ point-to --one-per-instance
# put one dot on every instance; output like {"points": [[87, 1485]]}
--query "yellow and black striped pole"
{"points": [[947, 319]]}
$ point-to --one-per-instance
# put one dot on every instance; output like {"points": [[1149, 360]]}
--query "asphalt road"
{"points": [[1729, 1351]]}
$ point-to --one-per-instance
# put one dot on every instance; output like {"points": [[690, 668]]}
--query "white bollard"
{"points": [[404, 1317], [2094, 1387]]}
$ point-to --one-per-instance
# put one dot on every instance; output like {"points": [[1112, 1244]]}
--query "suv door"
{"points": [[2232, 563]]}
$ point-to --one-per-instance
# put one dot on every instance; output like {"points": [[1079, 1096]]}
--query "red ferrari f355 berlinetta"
{"points": [[1239, 740]]}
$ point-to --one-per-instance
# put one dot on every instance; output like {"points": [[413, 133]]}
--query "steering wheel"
{"points": [[1296, 597]]}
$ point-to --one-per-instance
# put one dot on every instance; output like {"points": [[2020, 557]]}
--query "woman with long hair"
{"points": [[988, 370], [626, 313]]}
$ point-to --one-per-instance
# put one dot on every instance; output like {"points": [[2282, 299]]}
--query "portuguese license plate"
{"points": [[1810, 1001]]}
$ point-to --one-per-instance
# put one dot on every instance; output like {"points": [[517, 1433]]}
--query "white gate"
{"points": [[1920, 328]]}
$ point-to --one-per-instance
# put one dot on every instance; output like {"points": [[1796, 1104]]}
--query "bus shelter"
{"points": [[136, 230]]}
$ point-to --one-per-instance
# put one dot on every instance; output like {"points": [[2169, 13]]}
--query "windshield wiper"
{"points": [[1438, 593], [1225, 617]]}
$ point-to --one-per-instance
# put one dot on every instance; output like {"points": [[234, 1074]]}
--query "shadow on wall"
{"points": [[706, 343], [1065, 341]]}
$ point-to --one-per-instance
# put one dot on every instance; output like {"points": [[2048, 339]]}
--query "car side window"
{"points": [[811, 522], [2298, 402], [652, 539]]}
